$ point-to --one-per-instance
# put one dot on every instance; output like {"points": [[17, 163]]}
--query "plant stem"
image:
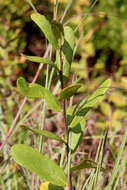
{"points": [[22, 104], [65, 123]]}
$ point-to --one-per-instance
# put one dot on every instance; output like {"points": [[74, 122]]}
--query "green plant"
{"points": [[62, 39]]}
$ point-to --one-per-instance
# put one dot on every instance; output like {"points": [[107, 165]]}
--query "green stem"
{"points": [[65, 123]]}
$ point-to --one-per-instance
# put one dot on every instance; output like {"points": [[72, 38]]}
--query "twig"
{"points": [[65, 12]]}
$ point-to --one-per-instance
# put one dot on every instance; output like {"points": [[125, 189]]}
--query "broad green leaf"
{"points": [[69, 91], [47, 28], [95, 98], [58, 31], [38, 91], [48, 186], [40, 60], [86, 163], [76, 132], [67, 51], [77, 135], [39, 164], [45, 133]]}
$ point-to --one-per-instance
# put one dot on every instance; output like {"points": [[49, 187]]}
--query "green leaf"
{"points": [[46, 28], [38, 91], [58, 31], [86, 163], [69, 91], [77, 131], [40, 60], [39, 164], [67, 51], [48, 186], [45, 133], [77, 135], [91, 102]]}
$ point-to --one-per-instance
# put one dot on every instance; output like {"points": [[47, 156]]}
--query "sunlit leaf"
{"points": [[67, 51], [45, 133], [77, 131], [46, 28], [48, 186], [69, 91], [38, 91], [95, 98], [40, 60], [39, 164], [86, 163]]}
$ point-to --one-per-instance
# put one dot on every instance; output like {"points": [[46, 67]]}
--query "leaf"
{"points": [[67, 51], [40, 60], [76, 132], [38, 91], [106, 109], [69, 91], [39, 164], [58, 31], [46, 28], [45, 133], [91, 102], [48, 186], [77, 135], [86, 163]]}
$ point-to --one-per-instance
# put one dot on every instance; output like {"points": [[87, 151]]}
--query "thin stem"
{"points": [[65, 12], [65, 123], [22, 104]]}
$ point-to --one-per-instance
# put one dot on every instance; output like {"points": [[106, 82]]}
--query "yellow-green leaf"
{"points": [[46, 28], [67, 51], [39, 164], [38, 91], [69, 91], [48, 186], [86, 163], [40, 60], [95, 98], [45, 133]]}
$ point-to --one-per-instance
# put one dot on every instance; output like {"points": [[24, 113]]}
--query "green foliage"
{"points": [[49, 186], [67, 51], [45, 133], [38, 91], [91, 102], [101, 51], [85, 164], [69, 91], [36, 162], [77, 131], [47, 29], [40, 60]]}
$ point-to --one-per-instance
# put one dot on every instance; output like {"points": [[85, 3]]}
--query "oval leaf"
{"points": [[38, 91], [86, 163], [46, 134], [48, 186], [91, 102], [67, 51], [39, 164], [46, 28], [77, 131], [40, 60], [69, 91]]}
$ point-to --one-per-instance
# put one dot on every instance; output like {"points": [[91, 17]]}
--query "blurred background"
{"points": [[101, 36]]}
